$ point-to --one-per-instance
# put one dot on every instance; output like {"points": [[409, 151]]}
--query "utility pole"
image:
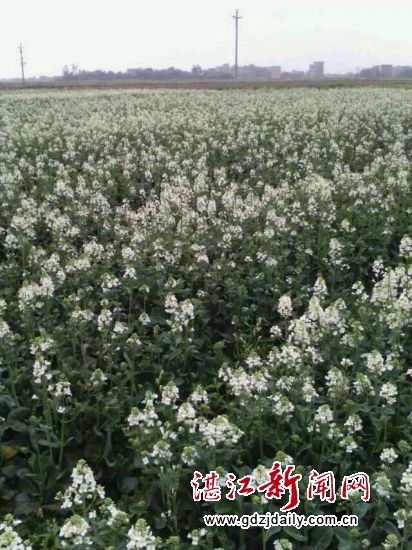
{"points": [[22, 63], [236, 17]]}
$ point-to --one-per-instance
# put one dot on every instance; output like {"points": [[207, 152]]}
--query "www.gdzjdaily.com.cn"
{"points": [[268, 520]]}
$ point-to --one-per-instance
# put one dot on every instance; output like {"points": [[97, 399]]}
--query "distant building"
{"points": [[225, 68], [221, 72], [252, 72], [402, 71], [386, 71], [294, 75], [376, 71], [316, 69], [274, 72]]}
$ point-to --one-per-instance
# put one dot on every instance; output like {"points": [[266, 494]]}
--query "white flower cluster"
{"points": [[323, 418], [382, 485], [219, 430], [4, 328], [140, 536], [403, 517], [186, 414], [405, 247], [149, 190], [83, 487], [376, 364], [148, 417], [388, 393], [242, 383], [197, 535], [282, 544], [388, 455], [104, 320], [182, 312], [9, 538], [170, 394], [74, 532], [406, 481], [285, 307]]}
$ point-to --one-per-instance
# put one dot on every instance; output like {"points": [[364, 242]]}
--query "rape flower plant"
{"points": [[203, 280]]}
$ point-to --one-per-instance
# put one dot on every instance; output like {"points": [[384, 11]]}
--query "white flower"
{"points": [[129, 273], [160, 452], [9, 538], [27, 295], [104, 320], [186, 414], [382, 485], [82, 315], [388, 393], [320, 289], [116, 516], [75, 529], [275, 331], [98, 377], [170, 394], [354, 423], [140, 536], [245, 384], [335, 252], [220, 430], [144, 318], [196, 535], [337, 383], [128, 254], [119, 328], [282, 544], [389, 455], [324, 415], [285, 308], [405, 247], [170, 303], [253, 361], [46, 287], [403, 516], [375, 362], [199, 395], [260, 474], [146, 418], [4, 328], [282, 406], [189, 455], [308, 391], [182, 313], [83, 487], [378, 267], [406, 481], [40, 370]]}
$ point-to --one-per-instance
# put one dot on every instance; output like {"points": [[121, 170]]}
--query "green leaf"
{"points": [[24, 505], [127, 484], [294, 533], [324, 539]]}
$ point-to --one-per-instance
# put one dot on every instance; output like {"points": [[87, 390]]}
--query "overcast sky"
{"points": [[117, 34]]}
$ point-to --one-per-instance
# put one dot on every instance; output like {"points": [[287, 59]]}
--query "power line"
{"points": [[22, 63], [236, 17]]}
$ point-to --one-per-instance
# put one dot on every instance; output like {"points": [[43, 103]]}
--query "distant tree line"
{"points": [[73, 73]]}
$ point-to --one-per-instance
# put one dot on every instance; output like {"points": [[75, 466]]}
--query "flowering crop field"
{"points": [[198, 281]]}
